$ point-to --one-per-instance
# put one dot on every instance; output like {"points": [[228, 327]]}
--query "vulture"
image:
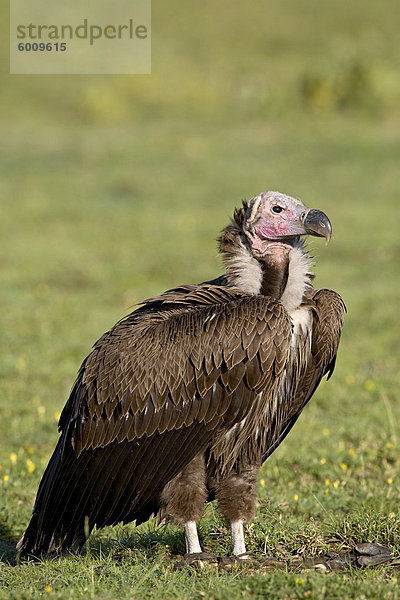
{"points": [[183, 399]]}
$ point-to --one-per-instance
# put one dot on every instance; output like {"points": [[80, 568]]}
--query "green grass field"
{"points": [[114, 189]]}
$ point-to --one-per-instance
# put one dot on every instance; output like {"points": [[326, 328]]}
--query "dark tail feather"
{"points": [[35, 541], [43, 535], [66, 506], [102, 486]]}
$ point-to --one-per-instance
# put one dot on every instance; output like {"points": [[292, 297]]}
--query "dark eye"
{"points": [[277, 209]]}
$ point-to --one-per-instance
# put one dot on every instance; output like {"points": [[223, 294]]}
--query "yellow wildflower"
{"points": [[262, 482], [6, 478], [327, 481], [30, 450], [13, 458], [352, 452], [57, 415], [48, 589], [327, 491], [369, 385], [389, 445], [326, 431], [295, 497], [30, 465], [335, 484], [299, 581], [389, 480], [322, 461], [343, 466]]}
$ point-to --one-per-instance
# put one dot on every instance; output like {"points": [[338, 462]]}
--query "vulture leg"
{"points": [[238, 545], [183, 500], [236, 495], [192, 539]]}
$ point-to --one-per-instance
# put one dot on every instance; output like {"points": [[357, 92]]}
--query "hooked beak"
{"points": [[317, 223]]}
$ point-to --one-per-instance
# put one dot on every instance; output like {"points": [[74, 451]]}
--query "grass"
{"points": [[114, 189]]}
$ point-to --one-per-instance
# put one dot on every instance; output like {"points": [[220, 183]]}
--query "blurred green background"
{"points": [[114, 188]]}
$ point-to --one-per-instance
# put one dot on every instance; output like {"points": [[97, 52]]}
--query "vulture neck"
{"points": [[275, 275], [283, 275]]}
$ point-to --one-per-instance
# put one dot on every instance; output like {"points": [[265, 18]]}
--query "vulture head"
{"points": [[263, 250], [274, 222]]}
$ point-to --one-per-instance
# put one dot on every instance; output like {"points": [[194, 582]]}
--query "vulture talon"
{"points": [[183, 399]]}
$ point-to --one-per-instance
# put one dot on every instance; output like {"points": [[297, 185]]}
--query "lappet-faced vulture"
{"points": [[182, 400]]}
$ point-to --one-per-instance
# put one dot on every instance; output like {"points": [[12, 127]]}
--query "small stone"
{"points": [[321, 568], [368, 549], [372, 561]]}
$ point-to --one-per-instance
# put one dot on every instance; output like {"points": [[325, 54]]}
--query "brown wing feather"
{"points": [[328, 313], [142, 386], [148, 399]]}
